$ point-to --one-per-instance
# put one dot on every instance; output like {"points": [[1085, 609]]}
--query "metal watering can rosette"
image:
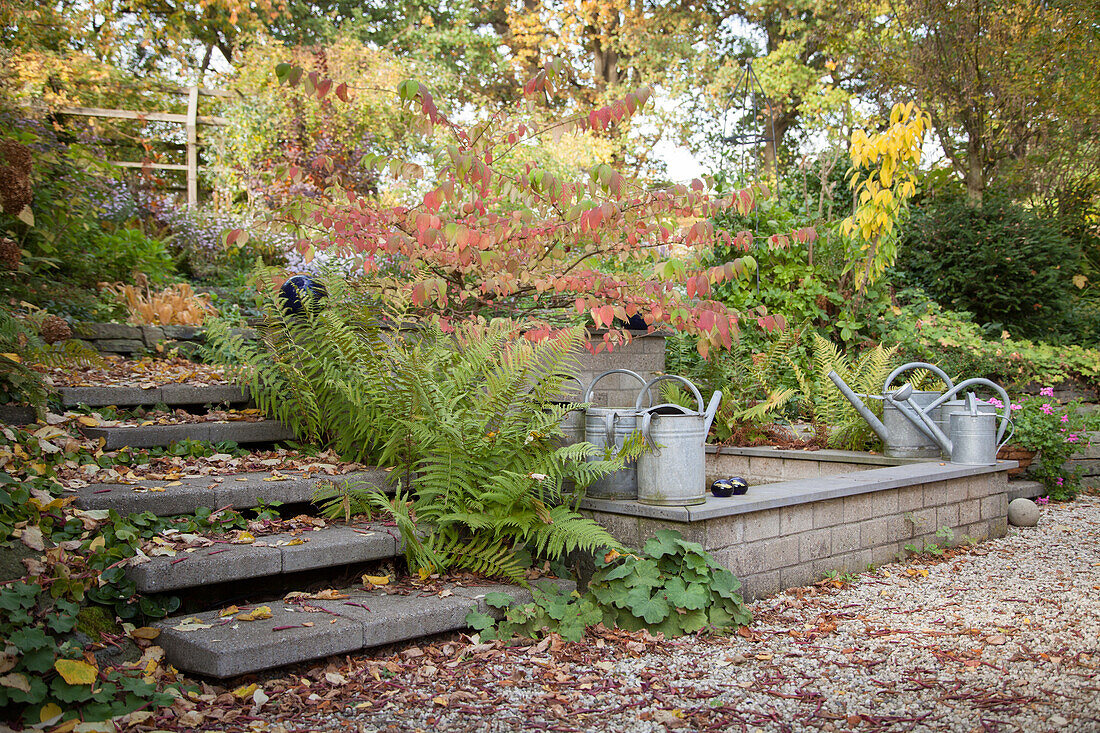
{"points": [[673, 471]]}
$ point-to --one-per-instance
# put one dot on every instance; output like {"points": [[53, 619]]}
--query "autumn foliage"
{"points": [[481, 233]]}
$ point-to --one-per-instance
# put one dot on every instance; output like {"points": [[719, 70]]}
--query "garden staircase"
{"points": [[266, 628]]}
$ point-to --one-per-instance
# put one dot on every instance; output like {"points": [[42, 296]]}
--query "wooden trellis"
{"points": [[191, 120]]}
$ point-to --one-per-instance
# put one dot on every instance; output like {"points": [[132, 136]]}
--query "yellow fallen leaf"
{"points": [[244, 538], [175, 483], [256, 614], [245, 691], [12, 357], [376, 580], [97, 544], [49, 711], [88, 421], [330, 594], [440, 700], [145, 632], [292, 543], [16, 681], [231, 611], [75, 671]]}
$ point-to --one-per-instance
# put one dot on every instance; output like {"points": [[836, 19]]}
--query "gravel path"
{"points": [[1005, 637]]}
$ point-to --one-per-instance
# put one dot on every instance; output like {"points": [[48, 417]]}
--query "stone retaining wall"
{"points": [[791, 533], [1088, 460]]}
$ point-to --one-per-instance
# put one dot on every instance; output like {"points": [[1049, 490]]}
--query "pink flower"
{"points": [[1043, 500], [1058, 481], [1016, 407], [1065, 418], [1072, 438], [1046, 408], [1047, 392], [996, 402]]}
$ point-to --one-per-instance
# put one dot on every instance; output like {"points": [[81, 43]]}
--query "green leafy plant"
{"points": [[865, 374], [673, 586], [1054, 431]]}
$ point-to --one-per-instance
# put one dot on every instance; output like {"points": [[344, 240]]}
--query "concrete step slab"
{"points": [[238, 491], [161, 436], [1023, 488], [168, 394], [269, 555], [228, 648]]}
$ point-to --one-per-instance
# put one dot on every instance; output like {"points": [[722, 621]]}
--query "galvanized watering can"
{"points": [[975, 436], [572, 424], [673, 471], [900, 430], [914, 422], [609, 427]]}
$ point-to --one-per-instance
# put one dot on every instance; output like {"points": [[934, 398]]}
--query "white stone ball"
{"points": [[1023, 513]]}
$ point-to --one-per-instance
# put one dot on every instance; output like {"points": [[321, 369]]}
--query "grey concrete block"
{"points": [[910, 498], [995, 506], [794, 470], [795, 519], [923, 521], [622, 527], [761, 525], [334, 546], [255, 488], [947, 516], [780, 551], [127, 499], [760, 585], [874, 532], [814, 545], [885, 503], [17, 415], [152, 436], [899, 528], [692, 532], [859, 507], [103, 396], [239, 647], [884, 554], [845, 538], [386, 619], [764, 468], [1019, 489], [939, 493], [724, 532], [998, 526], [190, 394], [634, 509], [828, 513], [797, 575], [970, 511], [228, 563]]}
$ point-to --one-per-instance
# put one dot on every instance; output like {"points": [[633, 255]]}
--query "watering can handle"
{"points": [[663, 377], [592, 386], [917, 365], [609, 420], [712, 410]]}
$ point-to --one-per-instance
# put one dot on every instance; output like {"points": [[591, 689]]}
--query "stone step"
{"points": [[168, 394], [1022, 488], [237, 491], [161, 436], [269, 555], [228, 647]]}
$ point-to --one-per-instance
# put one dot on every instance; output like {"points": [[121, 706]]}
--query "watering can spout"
{"points": [[862, 409]]}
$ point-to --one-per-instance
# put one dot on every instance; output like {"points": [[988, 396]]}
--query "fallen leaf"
{"points": [[243, 538], [440, 700], [32, 538], [259, 697], [16, 681], [996, 639], [48, 712], [191, 624], [145, 632], [87, 421], [75, 671], [376, 580], [256, 614], [231, 611], [245, 691], [334, 678]]}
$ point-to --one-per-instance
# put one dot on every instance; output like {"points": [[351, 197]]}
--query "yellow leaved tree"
{"points": [[883, 179]]}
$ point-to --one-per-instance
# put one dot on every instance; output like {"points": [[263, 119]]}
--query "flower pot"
{"points": [[1016, 453]]}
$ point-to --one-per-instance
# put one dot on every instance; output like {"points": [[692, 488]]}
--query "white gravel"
{"points": [[1005, 638]]}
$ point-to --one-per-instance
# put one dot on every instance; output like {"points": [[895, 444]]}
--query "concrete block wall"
{"points": [[768, 465], [793, 545], [125, 340]]}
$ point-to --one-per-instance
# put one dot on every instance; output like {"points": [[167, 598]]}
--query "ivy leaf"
{"points": [[75, 671]]}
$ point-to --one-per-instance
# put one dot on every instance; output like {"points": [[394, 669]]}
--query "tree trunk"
{"points": [[975, 179]]}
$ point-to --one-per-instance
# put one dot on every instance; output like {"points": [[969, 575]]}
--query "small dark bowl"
{"points": [[734, 486]]}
